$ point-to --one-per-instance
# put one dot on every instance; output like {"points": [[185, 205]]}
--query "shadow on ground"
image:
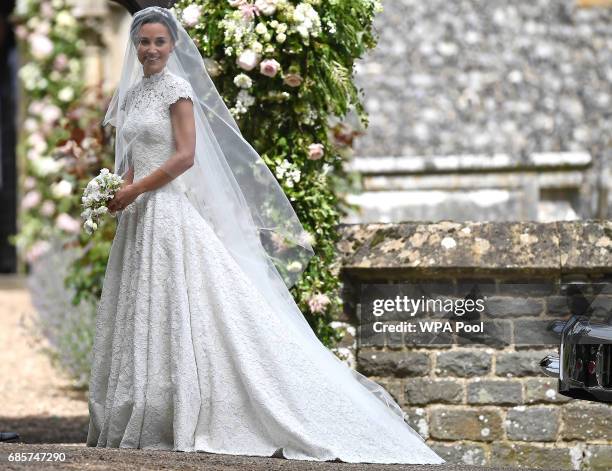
{"points": [[47, 429]]}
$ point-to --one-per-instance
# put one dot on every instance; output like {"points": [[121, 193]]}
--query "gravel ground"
{"points": [[81, 457]]}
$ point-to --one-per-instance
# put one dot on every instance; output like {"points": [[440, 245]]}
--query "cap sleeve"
{"points": [[177, 89]]}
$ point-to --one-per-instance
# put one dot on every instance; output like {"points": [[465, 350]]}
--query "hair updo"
{"points": [[153, 15]]}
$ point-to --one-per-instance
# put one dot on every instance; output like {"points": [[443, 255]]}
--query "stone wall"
{"points": [[485, 404], [487, 77]]}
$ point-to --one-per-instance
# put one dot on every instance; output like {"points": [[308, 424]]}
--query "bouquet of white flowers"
{"points": [[99, 190]]}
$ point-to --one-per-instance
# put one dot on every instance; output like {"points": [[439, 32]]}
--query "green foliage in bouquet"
{"points": [[284, 68]]}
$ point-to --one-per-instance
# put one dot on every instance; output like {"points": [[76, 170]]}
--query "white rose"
{"points": [[294, 267], [51, 113], [247, 60], [61, 189], [66, 94], [281, 37], [191, 15], [45, 166], [266, 7], [30, 125], [40, 46], [243, 81], [65, 20]]}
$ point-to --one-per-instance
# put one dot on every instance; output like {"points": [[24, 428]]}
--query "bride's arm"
{"points": [[129, 177], [183, 124]]}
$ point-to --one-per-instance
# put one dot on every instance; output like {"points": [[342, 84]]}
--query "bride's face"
{"points": [[154, 47]]}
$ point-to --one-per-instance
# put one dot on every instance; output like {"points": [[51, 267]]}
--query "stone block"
{"points": [[543, 390], [428, 390], [530, 456], [462, 453], [463, 363], [540, 424], [584, 420], [398, 364], [494, 392], [459, 423], [517, 364]]}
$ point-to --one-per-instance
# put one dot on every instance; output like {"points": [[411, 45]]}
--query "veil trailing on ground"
{"points": [[232, 188]]}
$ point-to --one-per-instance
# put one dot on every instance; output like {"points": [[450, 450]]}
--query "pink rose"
{"points": [[21, 32], [61, 62], [315, 151], [318, 302], [38, 248], [293, 80], [47, 208], [249, 11], [67, 223], [269, 67], [31, 199], [47, 10]]}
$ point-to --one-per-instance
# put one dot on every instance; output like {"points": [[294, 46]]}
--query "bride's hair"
{"points": [[157, 16]]}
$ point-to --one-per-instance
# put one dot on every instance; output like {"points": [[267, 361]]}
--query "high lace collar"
{"points": [[153, 78]]}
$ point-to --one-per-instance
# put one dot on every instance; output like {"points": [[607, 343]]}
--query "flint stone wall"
{"points": [[488, 76], [483, 404]]}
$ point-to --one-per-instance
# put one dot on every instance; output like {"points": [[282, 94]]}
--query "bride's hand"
{"points": [[123, 197]]}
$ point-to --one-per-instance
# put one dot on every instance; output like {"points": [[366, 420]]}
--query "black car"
{"points": [[584, 363]]}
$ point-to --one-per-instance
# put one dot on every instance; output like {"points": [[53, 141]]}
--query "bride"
{"points": [[199, 345]]}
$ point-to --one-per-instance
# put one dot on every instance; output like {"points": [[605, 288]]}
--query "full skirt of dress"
{"points": [[188, 356]]}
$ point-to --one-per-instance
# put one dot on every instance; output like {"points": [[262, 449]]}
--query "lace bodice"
{"points": [[148, 126]]}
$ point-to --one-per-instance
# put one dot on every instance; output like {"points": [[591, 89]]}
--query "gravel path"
{"points": [[35, 399], [81, 457]]}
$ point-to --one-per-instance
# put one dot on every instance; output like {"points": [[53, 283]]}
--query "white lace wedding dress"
{"points": [[188, 355]]}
